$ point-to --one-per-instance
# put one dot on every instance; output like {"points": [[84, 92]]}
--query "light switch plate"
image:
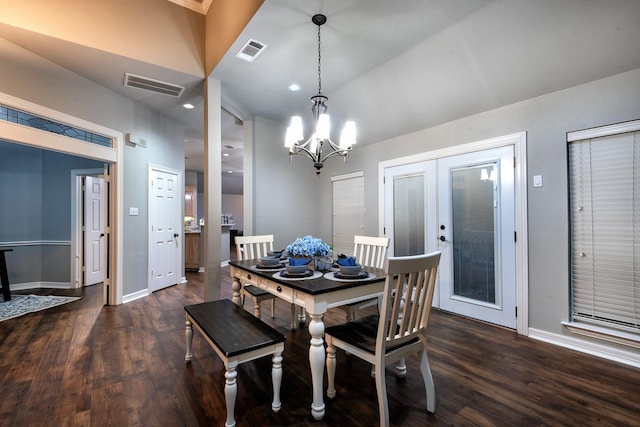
{"points": [[537, 180], [133, 211]]}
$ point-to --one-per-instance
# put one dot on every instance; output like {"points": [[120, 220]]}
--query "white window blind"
{"points": [[348, 211], [604, 188]]}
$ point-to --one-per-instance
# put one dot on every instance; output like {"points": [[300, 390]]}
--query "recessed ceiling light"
{"points": [[225, 154], [294, 87], [188, 106], [229, 171]]}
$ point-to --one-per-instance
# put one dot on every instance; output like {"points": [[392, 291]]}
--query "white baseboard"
{"points": [[631, 358], [135, 295], [39, 285], [183, 279]]}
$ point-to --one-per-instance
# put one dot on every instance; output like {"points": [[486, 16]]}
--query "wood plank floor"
{"points": [[82, 364]]}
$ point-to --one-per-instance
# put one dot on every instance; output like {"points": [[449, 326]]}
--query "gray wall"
{"points": [[546, 119], [285, 193], [37, 80]]}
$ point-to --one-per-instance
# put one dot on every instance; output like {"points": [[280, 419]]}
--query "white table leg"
{"points": [[316, 361], [235, 286]]}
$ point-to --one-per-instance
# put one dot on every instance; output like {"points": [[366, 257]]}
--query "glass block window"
{"points": [[12, 115]]}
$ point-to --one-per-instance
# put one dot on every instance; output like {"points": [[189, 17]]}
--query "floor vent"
{"points": [[152, 85], [251, 50]]}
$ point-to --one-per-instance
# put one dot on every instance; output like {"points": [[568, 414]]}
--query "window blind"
{"points": [[348, 213], [604, 191]]}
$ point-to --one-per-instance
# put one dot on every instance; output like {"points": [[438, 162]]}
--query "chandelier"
{"points": [[320, 138]]}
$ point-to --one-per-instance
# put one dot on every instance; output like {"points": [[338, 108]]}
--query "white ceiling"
{"points": [[392, 66]]}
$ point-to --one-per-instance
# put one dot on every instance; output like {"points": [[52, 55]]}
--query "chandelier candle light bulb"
{"points": [[321, 137]]}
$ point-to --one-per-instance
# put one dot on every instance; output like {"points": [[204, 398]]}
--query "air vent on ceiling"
{"points": [[152, 85], [251, 50]]}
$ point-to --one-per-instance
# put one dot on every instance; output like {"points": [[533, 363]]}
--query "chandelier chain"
{"points": [[319, 57]]}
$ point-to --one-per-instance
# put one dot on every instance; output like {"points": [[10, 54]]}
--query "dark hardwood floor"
{"points": [[82, 364]]}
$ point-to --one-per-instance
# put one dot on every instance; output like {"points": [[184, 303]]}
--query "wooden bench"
{"points": [[237, 337]]}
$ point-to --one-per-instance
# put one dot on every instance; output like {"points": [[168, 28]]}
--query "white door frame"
{"points": [[77, 245], [49, 141], [519, 141]]}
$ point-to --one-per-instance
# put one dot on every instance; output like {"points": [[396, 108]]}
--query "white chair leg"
{"points": [[276, 379], [294, 323], [331, 371], [188, 335], [428, 381], [230, 393], [256, 308], [381, 389], [401, 368]]}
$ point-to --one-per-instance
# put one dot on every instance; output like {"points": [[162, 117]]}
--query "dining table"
{"points": [[316, 292]]}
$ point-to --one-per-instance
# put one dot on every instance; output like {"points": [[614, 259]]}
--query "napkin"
{"points": [[348, 260], [299, 261]]}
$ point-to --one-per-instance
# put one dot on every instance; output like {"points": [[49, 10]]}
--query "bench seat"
{"points": [[237, 337]]}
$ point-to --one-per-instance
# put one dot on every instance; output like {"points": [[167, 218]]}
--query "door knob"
{"points": [[175, 234], [101, 234], [443, 239]]}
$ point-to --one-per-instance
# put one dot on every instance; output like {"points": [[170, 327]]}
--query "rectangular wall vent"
{"points": [[146, 83], [250, 51]]}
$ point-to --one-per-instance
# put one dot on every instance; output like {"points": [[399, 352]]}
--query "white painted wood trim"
{"points": [[39, 285], [631, 358], [598, 132], [135, 295], [347, 176], [36, 243]]}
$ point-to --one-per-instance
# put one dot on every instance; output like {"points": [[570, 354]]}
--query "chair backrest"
{"points": [[370, 251], [407, 298], [253, 247]]}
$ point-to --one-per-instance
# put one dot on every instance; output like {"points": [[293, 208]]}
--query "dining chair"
{"points": [[255, 247], [369, 252], [398, 331]]}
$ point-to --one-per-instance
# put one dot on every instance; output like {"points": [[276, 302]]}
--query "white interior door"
{"points": [[165, 200], [476, 200], [463, 206], [94, 208]]}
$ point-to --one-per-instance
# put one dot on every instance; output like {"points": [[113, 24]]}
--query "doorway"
{"points": [[464, 203]]}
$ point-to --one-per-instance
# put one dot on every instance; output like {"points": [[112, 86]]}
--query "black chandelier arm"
{"points": [[337, 151], [300, 149]]}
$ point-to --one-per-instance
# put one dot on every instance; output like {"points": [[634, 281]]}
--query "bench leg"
{"points": [[276, 378], [188, 335], [256, 308], [230, 392]]}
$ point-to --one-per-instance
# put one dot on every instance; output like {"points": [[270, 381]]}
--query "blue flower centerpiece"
{"points": [[310, 247]]}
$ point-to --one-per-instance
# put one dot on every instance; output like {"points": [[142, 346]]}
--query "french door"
{"points": [[463, 206]]}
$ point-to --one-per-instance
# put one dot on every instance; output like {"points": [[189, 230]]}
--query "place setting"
{"points": [[297, 268], [348, 270], [271, 262]]}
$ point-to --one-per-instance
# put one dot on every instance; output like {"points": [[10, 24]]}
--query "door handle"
{"points": [[101, 234], [175, 234], [442, 239]]}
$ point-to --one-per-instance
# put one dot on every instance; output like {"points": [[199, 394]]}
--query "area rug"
{"points": [[23, 304]]}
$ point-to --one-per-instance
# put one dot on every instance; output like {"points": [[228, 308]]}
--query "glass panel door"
{"points": [[476, 216]]}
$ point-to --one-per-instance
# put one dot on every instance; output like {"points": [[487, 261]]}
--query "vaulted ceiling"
{"points": [[392, 66]]}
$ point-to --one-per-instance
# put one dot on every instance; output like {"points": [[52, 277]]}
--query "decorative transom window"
{"points": [[12, 115]]}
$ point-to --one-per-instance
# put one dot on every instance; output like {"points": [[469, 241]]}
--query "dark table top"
{"points": [[311, 286]]}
